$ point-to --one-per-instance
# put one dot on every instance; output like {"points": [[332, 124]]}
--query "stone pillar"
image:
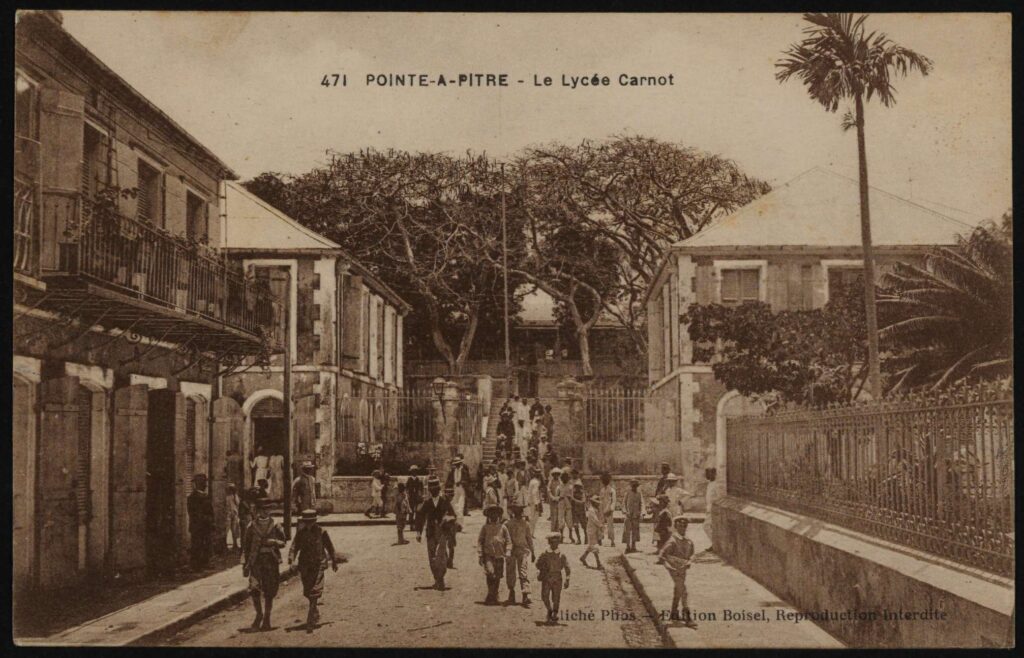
{"points": [[569, 419]]}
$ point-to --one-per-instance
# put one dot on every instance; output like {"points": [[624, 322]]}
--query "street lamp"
{"points": [[438, 386]]}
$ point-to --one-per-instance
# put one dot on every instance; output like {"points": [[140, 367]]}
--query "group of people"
{"points": [[522, 426]]}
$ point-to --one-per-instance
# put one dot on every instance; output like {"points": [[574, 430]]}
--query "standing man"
{"points": [[677, 495], [520, 550], [414, 489], [304, 488], [436, 517], [261, 562], [607, 496], [663, 483], [456, 483], [200, 523], [534, 500], [712, 494], [522, 424]]}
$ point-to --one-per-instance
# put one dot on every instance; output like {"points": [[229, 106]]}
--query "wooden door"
{"points": [[165, 455], [128, 482], [58, 461]]}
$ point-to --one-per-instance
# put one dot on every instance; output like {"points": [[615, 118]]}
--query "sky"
{"points": [[247, 85]]}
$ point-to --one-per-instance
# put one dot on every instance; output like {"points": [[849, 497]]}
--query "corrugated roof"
{"points": [[822, 208]]}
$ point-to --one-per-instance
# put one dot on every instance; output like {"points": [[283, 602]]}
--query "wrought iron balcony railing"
{"points": [[103, 247], [26, 206]]}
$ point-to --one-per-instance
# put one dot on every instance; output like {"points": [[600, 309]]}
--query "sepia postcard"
{"points": [[512, 330]]}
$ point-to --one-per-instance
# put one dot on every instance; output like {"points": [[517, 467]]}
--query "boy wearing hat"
{"points": [[493, 545], [662, 521], [261, 560], [676, 555], [436, 518], [550, 565], [314, 548], [402, 511], [520, 548], [632, 507], [595, 530]]}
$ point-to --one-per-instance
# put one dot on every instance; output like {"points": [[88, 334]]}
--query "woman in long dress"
{"points": [[276, 477], [261, 467]]}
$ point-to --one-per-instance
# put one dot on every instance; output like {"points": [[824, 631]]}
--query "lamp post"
{"points": [[504, 271]]}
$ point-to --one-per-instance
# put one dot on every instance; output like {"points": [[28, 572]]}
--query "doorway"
{"points": [[160, 517], [269, 442]]}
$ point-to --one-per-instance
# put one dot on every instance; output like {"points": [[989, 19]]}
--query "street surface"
{"points": [[381, 597]]}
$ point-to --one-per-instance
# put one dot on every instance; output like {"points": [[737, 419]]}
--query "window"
{"points": [[93, 165], [197, 221], [844, 277], [26, 107], [740, 286], [806, 287], [149, 206]]}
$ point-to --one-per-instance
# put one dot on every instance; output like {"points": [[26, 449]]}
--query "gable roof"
{"points": [[252, 223], [822, 208]]}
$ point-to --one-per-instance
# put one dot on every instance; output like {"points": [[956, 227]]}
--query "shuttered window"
{"points": [[149, 196], [740, 285], [197, 223], [844, 277], [82, 470], [806, 287]]}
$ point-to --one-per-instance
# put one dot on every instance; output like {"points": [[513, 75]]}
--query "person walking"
{"points": [[550, 566], [260, 466], [632, 507], [304, 487], [676, 556], [520, 549], [714, 491], [276, 466], [414, 490], [608, 502], [663, 482], [536, 409], [595, 530], [493, 546], [548, 420], [435, 518], [565, 491], [315, 550], [200, 523], [579, 513], [456, 483], [261, 562], [554, 482], [376, 500], [662, 521], [534, 500]]}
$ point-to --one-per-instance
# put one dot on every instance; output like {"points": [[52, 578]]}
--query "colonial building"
{"points": [[344, 337], [789, 249], [124, 318]]}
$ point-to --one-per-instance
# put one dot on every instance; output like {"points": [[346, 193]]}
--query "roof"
{"points": [[251, 226], [538, 311], [252, 223], [821, 208], [52, 23]]}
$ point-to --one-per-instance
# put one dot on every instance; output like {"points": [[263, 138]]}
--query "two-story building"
{"points": [[789, 249], [344, 335], [124, 319]]}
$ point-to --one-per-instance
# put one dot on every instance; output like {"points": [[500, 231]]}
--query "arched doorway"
{"points": [[730, 405], [266, 440]]}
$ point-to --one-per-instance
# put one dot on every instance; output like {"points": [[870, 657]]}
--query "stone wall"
{"points": [[816, 567]]}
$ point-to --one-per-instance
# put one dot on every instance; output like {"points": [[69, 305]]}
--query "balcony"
{"points": [[117, 271], [26, 210]]}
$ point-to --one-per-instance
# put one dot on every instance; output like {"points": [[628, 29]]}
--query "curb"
{"points": [[188, 619], [666, 638]]}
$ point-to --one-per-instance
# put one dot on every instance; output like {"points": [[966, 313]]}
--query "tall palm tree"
{"points": [[953, 317], [839, 60]]}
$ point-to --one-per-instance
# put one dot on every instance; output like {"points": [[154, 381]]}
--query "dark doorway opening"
{"points": [[160, 536], [269, 434]]}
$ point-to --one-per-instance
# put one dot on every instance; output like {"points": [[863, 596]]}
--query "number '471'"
{"points": [[333, 80]]}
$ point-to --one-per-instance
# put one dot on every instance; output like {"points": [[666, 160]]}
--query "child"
{"points": [[554, 481], [550, 566], [595, 530], [403, 510], [520, 547], [232, 504], [608, 503], [662, 521], [565, 504], [314, 548], [632, 505], [261, 561], [579, 513], [493, 544], [676, 555], [377, 502]]}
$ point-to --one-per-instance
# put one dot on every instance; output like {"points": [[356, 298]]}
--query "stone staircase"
{"points": [[491, 440]]}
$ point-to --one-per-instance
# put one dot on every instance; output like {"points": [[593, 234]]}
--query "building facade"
{"points": [[124, 318], [343, 329], [789, 249]]}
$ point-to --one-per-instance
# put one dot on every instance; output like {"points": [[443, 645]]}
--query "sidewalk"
{"points": [[714, 588], [159, 615]]}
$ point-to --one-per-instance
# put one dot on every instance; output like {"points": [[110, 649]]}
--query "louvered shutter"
{"points": [[750, 284], [730, 286], [57, 521], [128, 481], [61, 122]]}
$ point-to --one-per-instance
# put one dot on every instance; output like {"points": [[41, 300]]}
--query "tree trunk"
{"points": [[583, 337], [870, 312], [466, 344]]}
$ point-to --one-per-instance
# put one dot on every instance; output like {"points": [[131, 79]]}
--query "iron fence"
{"points": [[143, 261], [930, 471], [411, 418], [622, 414]]}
